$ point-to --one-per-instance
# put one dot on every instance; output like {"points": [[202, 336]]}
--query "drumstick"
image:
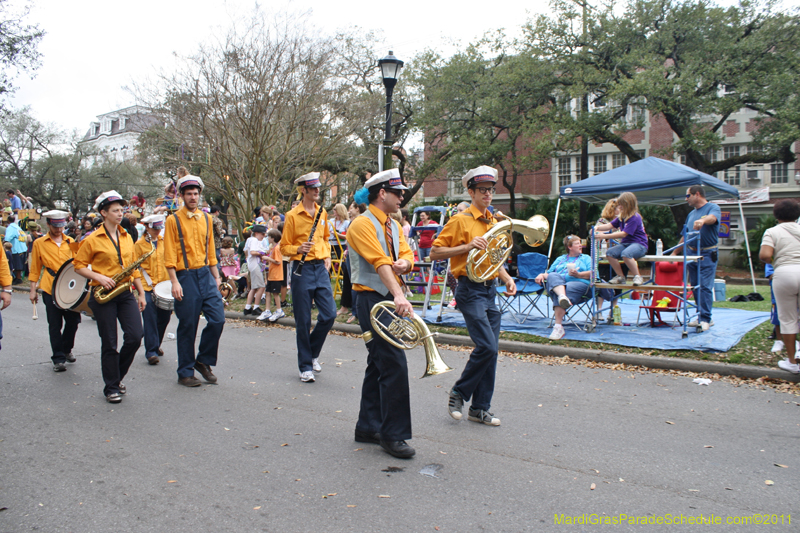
{"points": [[35, 315]]}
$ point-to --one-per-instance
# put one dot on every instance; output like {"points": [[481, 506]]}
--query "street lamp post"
{"points": [[390, 71]]}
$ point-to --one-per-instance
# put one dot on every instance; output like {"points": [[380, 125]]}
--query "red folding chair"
{"points": [[667, 273]]}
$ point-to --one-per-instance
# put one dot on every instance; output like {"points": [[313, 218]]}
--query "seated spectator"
{"points": [[630, 228], [567, 281]]}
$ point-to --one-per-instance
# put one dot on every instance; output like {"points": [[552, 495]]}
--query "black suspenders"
{"points": [[183, 244]]}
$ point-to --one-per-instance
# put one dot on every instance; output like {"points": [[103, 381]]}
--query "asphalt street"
{"points": [[261, 451]]}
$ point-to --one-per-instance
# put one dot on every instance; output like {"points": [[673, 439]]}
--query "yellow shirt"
{"points": [[153, 265], [5, 273], [296, 229], [461, 229], [46, 253], [99, 251], [195, 233], [361, 238]]}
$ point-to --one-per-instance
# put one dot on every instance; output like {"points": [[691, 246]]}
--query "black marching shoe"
{"points": [[113, 398], [398, 448], [368, 436], [59, 367], [122, 388], [247, 311], [70, 358]]}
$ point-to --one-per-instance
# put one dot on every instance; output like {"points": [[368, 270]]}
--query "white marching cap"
{"points": [[56, 218], [479, 175], [155, 221], [308, 180], [190, 181], [107, 198], [390, 179]]}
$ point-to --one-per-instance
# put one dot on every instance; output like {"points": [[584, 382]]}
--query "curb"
{"points": [[603, 356]]}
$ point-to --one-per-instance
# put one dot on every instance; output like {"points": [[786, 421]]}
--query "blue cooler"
{"points": [[719, 290]]}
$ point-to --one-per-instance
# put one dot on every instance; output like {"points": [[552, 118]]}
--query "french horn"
{"points": [[406, 333], [482, 265]]}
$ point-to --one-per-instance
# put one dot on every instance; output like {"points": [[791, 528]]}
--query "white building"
{"points": [[115, 134]]}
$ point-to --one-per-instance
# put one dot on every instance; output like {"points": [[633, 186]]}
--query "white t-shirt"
{"points": [[254, 245], [785, 239]]}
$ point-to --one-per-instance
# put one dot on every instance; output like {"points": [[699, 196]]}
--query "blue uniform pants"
{"points": [[476, 301], [200, 295], [313, 284], [385, 399], [155, 322]]}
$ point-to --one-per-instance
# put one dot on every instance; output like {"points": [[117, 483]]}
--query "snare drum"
{"points": [[162, 296], [71, 290]]}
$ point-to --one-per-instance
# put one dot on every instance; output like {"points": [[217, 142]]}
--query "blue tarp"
{"points": [[730, 325], [653, 180]]}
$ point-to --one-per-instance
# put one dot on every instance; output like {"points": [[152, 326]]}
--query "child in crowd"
{"points": [[255, 249], [274, 278], [230, 267], [630, 228]]}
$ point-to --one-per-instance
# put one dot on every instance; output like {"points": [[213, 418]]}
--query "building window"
{"points": [[564, 171], [733, 174], [600, 164], [618, 160], [779, 173], [105, 126], [122, 121], [578, 168], [641, 154]]}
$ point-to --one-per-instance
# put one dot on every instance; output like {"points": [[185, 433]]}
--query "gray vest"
{"points": [[362, 272]]}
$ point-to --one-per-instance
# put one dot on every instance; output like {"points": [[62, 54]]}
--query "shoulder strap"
{"points": [[208, 239], [180, 237]]}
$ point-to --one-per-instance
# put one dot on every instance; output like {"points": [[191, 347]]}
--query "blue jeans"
{"points": [[476, 302], [703, 295], [575, 290], [200, 295], [155, 322], [314, 283], [632, 250], [385, 399]]}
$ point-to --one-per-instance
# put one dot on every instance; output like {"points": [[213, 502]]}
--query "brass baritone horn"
{"points": [[406, 334], [482, 265]]}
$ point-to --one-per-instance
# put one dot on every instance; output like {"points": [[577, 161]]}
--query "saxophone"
{"points": [[103, 296]]}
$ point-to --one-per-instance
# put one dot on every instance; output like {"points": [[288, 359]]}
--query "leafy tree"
{"points": [[485, 105], [57, 171], [19, 43]]}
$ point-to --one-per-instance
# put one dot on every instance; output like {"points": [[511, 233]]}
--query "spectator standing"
{"points": [[19, 248], [781, 247], [16, 203], [425, 237], [705, 219], [338, 226], [219, 229]]}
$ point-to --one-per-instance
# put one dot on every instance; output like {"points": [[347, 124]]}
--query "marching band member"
{"points": [[154, 271], [476, 301], [109, 250], [192, 266], [380, 254], [6, 281], [49, 253], [313, 282]]}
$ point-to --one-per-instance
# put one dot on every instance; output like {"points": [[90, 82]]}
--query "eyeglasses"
{"points": [[484, 190], [688, 195]]}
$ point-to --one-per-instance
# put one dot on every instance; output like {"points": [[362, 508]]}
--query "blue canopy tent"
{"points": [[654, 181]]}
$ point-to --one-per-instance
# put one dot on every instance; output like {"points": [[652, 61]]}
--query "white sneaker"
{"points": [[778, 346], [557, 333], [265, 315], [564, 302], [704, 326], [637, 280], [617, 280], [276, 315], [315, 365], [307, 376], [696, 323], [794, 368]]}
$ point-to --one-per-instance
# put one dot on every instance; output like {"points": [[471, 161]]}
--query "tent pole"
{"points": [[553, 230], [747, 245]]}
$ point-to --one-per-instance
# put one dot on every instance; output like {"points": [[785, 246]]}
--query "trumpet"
{"points": [[482, 265], [406, 334]]}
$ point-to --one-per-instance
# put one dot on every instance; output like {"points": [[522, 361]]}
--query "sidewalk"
{"points": [[603, 356]]}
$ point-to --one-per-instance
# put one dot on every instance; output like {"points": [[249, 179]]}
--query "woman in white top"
{"points": [[338, 226], [781, 247]]}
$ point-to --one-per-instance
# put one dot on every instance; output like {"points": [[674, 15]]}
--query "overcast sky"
{"points": [[94, 48]]}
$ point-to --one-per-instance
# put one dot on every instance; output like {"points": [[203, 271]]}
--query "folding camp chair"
{"points": [[526, 301], [666, 273]]}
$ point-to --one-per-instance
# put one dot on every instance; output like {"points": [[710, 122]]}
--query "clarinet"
{"points": [[310, 238]]}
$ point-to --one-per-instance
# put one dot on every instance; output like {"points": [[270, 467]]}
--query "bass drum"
{"points": [[162, 296], [71, 290]]}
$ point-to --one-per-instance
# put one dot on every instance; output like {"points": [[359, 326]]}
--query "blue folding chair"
{"points": [[526, 301]]}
